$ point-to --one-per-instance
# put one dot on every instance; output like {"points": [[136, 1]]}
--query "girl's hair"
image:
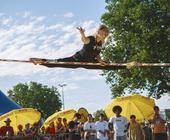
{"points": [[104, 27]]}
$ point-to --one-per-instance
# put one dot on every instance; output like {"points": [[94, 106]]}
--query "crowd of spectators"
{"points": [[116, 128]]}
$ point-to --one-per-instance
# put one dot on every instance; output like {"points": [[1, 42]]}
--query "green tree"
{"points": [[139, 32], [97, 113], [35, 95]]}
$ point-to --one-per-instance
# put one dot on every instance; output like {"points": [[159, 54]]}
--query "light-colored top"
{"points": [[89, 126], [119, 125], [102, 126], [135, 131]]}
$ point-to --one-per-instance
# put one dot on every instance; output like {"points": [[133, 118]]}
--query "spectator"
{"points": [[81, 129], [73, 127], [102, 128], [42, 133], [66, 129], [111, 131], [147, 131], [89, 129], [120, 124], [27, 130], [34, 129], [168, 127], [158, 125], [59, 126], [7, 130], [51, 129], [20, 132], [65, 125], [135, 130], [42, 130]]}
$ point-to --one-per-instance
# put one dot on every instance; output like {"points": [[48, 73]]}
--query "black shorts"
{"points": [[77, 58]]}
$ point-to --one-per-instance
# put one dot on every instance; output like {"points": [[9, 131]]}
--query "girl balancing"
{"points": [[90, 51]]}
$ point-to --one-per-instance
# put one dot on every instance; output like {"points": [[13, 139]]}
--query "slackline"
{"points": [[86, 65]]}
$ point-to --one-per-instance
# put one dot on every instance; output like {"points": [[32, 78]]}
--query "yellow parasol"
{"points": [[21, 116], [68, 114], [140, 106], [84, 113]]}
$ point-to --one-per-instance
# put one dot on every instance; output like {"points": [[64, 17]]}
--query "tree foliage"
{"points": [[97, 114], [35, 95], [139, 32]]}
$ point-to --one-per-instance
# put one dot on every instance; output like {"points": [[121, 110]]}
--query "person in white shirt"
{"points": [[102, 128], [89, 129], [120, 124]]}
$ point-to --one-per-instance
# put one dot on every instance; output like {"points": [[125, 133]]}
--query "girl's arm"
{"points": [[84, 39]]}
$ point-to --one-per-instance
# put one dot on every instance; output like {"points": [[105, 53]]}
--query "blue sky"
{"points": [[46, 28], [83, 10]]}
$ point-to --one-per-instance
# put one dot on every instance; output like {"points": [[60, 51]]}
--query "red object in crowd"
{"points": [[6, 130], [50, 130]]}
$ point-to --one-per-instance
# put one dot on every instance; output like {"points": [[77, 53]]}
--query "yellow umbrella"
{"points": [[21, 116], [68, 114], [140, 106], [84, 113]]}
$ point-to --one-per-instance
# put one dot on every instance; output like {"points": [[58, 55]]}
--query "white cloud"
{"points": [[69, 15], [71, 86], [55, 27], [88, 23], [40, 18], [28, 36], [5, 21], [27, 14], [33, 36], [92, 75], [2, 14], [161, 102]]}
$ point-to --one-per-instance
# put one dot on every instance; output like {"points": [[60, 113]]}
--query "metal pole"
{"points": [[62, 93]]}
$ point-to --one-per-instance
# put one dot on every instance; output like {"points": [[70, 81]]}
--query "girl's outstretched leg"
{"points": [[67, 59]]}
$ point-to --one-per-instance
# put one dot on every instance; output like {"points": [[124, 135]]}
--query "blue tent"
{"points": [[6, 104]]}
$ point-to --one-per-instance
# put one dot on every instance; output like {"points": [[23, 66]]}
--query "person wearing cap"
{"points": [[102, 128], [7, 130], [158, 125], [120, 124]]}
